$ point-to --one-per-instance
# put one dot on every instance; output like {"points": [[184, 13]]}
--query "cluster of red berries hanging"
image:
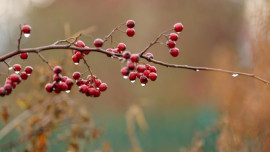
{"points": [[130, 28], [60, 83], [134, 70], [77, 56], [14, 79], [92, 86], [173, 37]]}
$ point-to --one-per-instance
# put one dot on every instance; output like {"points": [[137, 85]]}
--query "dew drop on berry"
{"points": [[132, 81], [234, 75], [142, 84], [67, 91], [125, 77], [76, 63], [26, 35]]}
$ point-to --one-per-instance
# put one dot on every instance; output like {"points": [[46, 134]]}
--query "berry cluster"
{"points": [[60, 83], [173, 37], [77, 56], [14, 79], [135, 70], [130, 28], [92, 86]]}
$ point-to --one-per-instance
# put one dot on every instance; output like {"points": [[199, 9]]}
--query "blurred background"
{"points": [[183, 110]]}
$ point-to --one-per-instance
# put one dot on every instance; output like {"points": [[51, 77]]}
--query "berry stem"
{"points": [[154, 42], [20, 38], [110, 34], [88, 67], [45, 60]]}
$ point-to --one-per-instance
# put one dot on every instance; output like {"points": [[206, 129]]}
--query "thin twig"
{"points": [[154, 42], [88, 67], [19, 39], [45, 60], [110, 34]]}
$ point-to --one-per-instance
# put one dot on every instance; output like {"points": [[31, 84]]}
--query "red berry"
{"points": [[26, 29], [64, 78], [91, 91], [86, 52], [2, 92], [139, 75], [57, 69], [130, 32], [98, 43], [24, 55], [125, 71], [130, 23], [17, 67], [152, 69], [171, 44], [28, 69], [149, 55], [83, 88], [141, 68], [174, 52], [97, 82], [131, 65], [79, 55], [75, 59], [152, 76], [178, 27], [103, 87], [126, 55], [49, 87], [173, 37], [109, 50], [132, 76], [57, 77], [15, 78], [135, 58], [64, 86], [97, 93], [8, 88], [143, 79], [146, 73], [121, 47], [69, 82], [80, 43], [76, 75], [24, 75]]}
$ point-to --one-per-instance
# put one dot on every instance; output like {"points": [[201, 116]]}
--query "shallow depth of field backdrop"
{"points": [[184, 110]]}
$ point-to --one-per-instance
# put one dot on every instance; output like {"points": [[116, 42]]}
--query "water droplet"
{"points": [[76, 63], [97, 88], [142, 84], [67, 91], [125, 77], [10, 68], [234, 75], [17, 72], [197, 70], [178, 32], [26, 35], [132, 81], [28, 74]]}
